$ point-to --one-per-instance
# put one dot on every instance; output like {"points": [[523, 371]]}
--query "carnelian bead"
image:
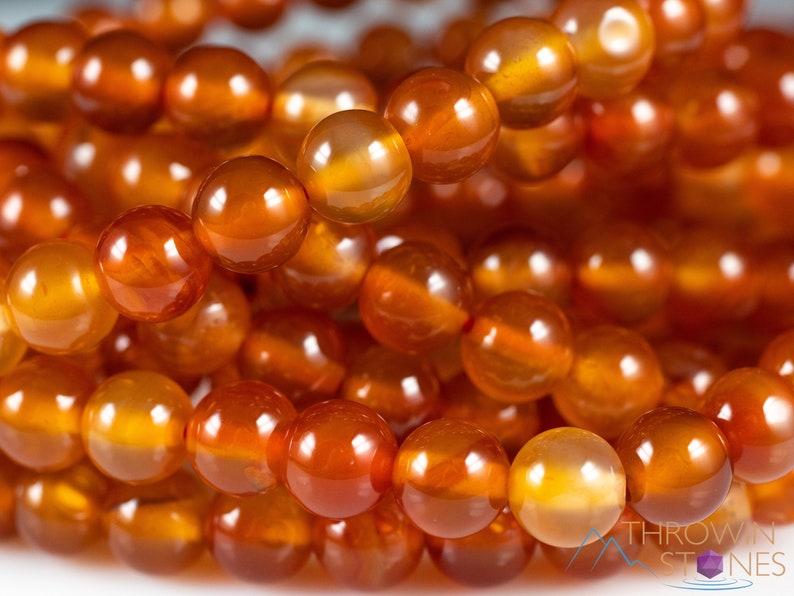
{"points": [[453, 41], [448, 120], [724, 21], [236, 437], [297, 350], [118, 81], [489, 557], [614, 378], [778, 355], [415, 298], [12, 347], [773, 502], [41, 407], [369, 551], [205, 337], [328, 268], [679, 27], [355, 167], [172, 23], [54, 301], [9, 474], [150, 265], [133, 426], [386, 53], [401, 388], [614, 41], [252, 14], [157, 528], [689, 369], [450, 477], [339, 458], [61, 512], [565, 483], [36, 63], [545, 59], [259, 538], [18, 157], [251, 214], [96, 19], [677, 465], [755, 410]]}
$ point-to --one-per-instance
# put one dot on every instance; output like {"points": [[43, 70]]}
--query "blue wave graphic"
{"points": [[716, 584], [606, 543]]}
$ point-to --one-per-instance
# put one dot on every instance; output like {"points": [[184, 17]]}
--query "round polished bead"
{"points": [[172, 23], [339, 458], [778, 355], [355, 167], [386, 53], [251, 214], [450, 478], [565, 483], [454, 39], [54, 301], [448, 120], [755, 410], [678, 470], [236, 437], [41, 407], [18, 157], [118, 81], [530, 68], [773, 502], [150, 265], [252, 14], [689, 369], [724, 20], [679, 27], [134, 424]]}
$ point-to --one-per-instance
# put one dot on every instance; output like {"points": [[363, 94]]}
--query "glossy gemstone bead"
{"points": [[172, 23], [41, 408], [564, 483], [355, 167], [755, 410], [773, 502], [339, 458], [454, 39], [150, 265], [54, 301], [18, 157], [724, 20], [448, 120], [450, 478], [778, 355], [236, 437], [530, 68], [252, 14], [134, 424], [679, 27], [251, 214], [386, 53], [689, 369], [677, 466]]}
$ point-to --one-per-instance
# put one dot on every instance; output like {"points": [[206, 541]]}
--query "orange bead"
{"points": [[236, 437], [97, 19], [614, 41], [339, 458], [54, 300], [680, 28], [386, 53], [217, 94], [778, 355], [448, 120], [251, 214], [118, 81], [450, 478], [415, 230], [689, 369], [454, 39], [41, 408], [724, 21], [134, 424], [530, 68], [150, 265], [18, 157], [252, 14], [172, 23], [9, 474], [355, 167], [773, 502]]}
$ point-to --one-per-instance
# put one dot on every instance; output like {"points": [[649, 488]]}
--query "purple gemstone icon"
{"points": [[709, 563]]}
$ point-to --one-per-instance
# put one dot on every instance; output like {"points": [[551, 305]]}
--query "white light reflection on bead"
{"points": [[618, 33], [589, 471], [673, 9], [361, 444], [178, 171], [311, 346], [14, 401], [539, 331], [160, 414], [595, 261], [265, 424], [726, 412], [474, 462], [65, 402], [629, 366], [230, 518], [59, 207], [128, 509], [107, 415], [546, 56], [12, 208], [171, 251], [376, 151], [131, 171], [410, 112], [419, 464], [308, 444], [323, 154], [728, 103], [491, 263], [768, 164], [411, 389], [697, 448], [35, 493], [213, 425], [702, 381], [77, 284], [273, 198], [17, 57], [345, 101], [64, 55], [492, 61], [142, 69], [645, 452], [787, 86], [786, 368], [84, 154], [92, 70], [641, 260], [218, 200], [188, 86], [731, 265], [778, 414], [643, 112], [536, 473], [540, 263], [489, 339], [239, 85], [436, 283], [463, 109], [29, 283], [294, 105]]}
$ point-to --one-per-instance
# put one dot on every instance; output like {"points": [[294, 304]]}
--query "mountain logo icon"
{"points": [[607, 544]]}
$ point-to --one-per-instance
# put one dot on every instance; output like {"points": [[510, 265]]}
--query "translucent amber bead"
{"points": [[236, 437], [150, 265], [565, 483], [18, 157], [403, 389], [386, 53], [172, 23], [61, 512], [614, 378], [134, 424], [415, 298], [97, 19], [724, 21], [677, 466], [679, 27], [614, 41], [9, 474], [450, 477], [355, 167], [755, 410], [299, 351], [448, 120], [339, 458], [260, 538], [205, 337], [530, 68], [370, 551], [41, 406], [778, 355], [36, 65], [328, 268], [252, 14], [689, 369], [489, 557], [773, 502], [454, 39], [118, 81], [54, 301], [251, 214]]}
